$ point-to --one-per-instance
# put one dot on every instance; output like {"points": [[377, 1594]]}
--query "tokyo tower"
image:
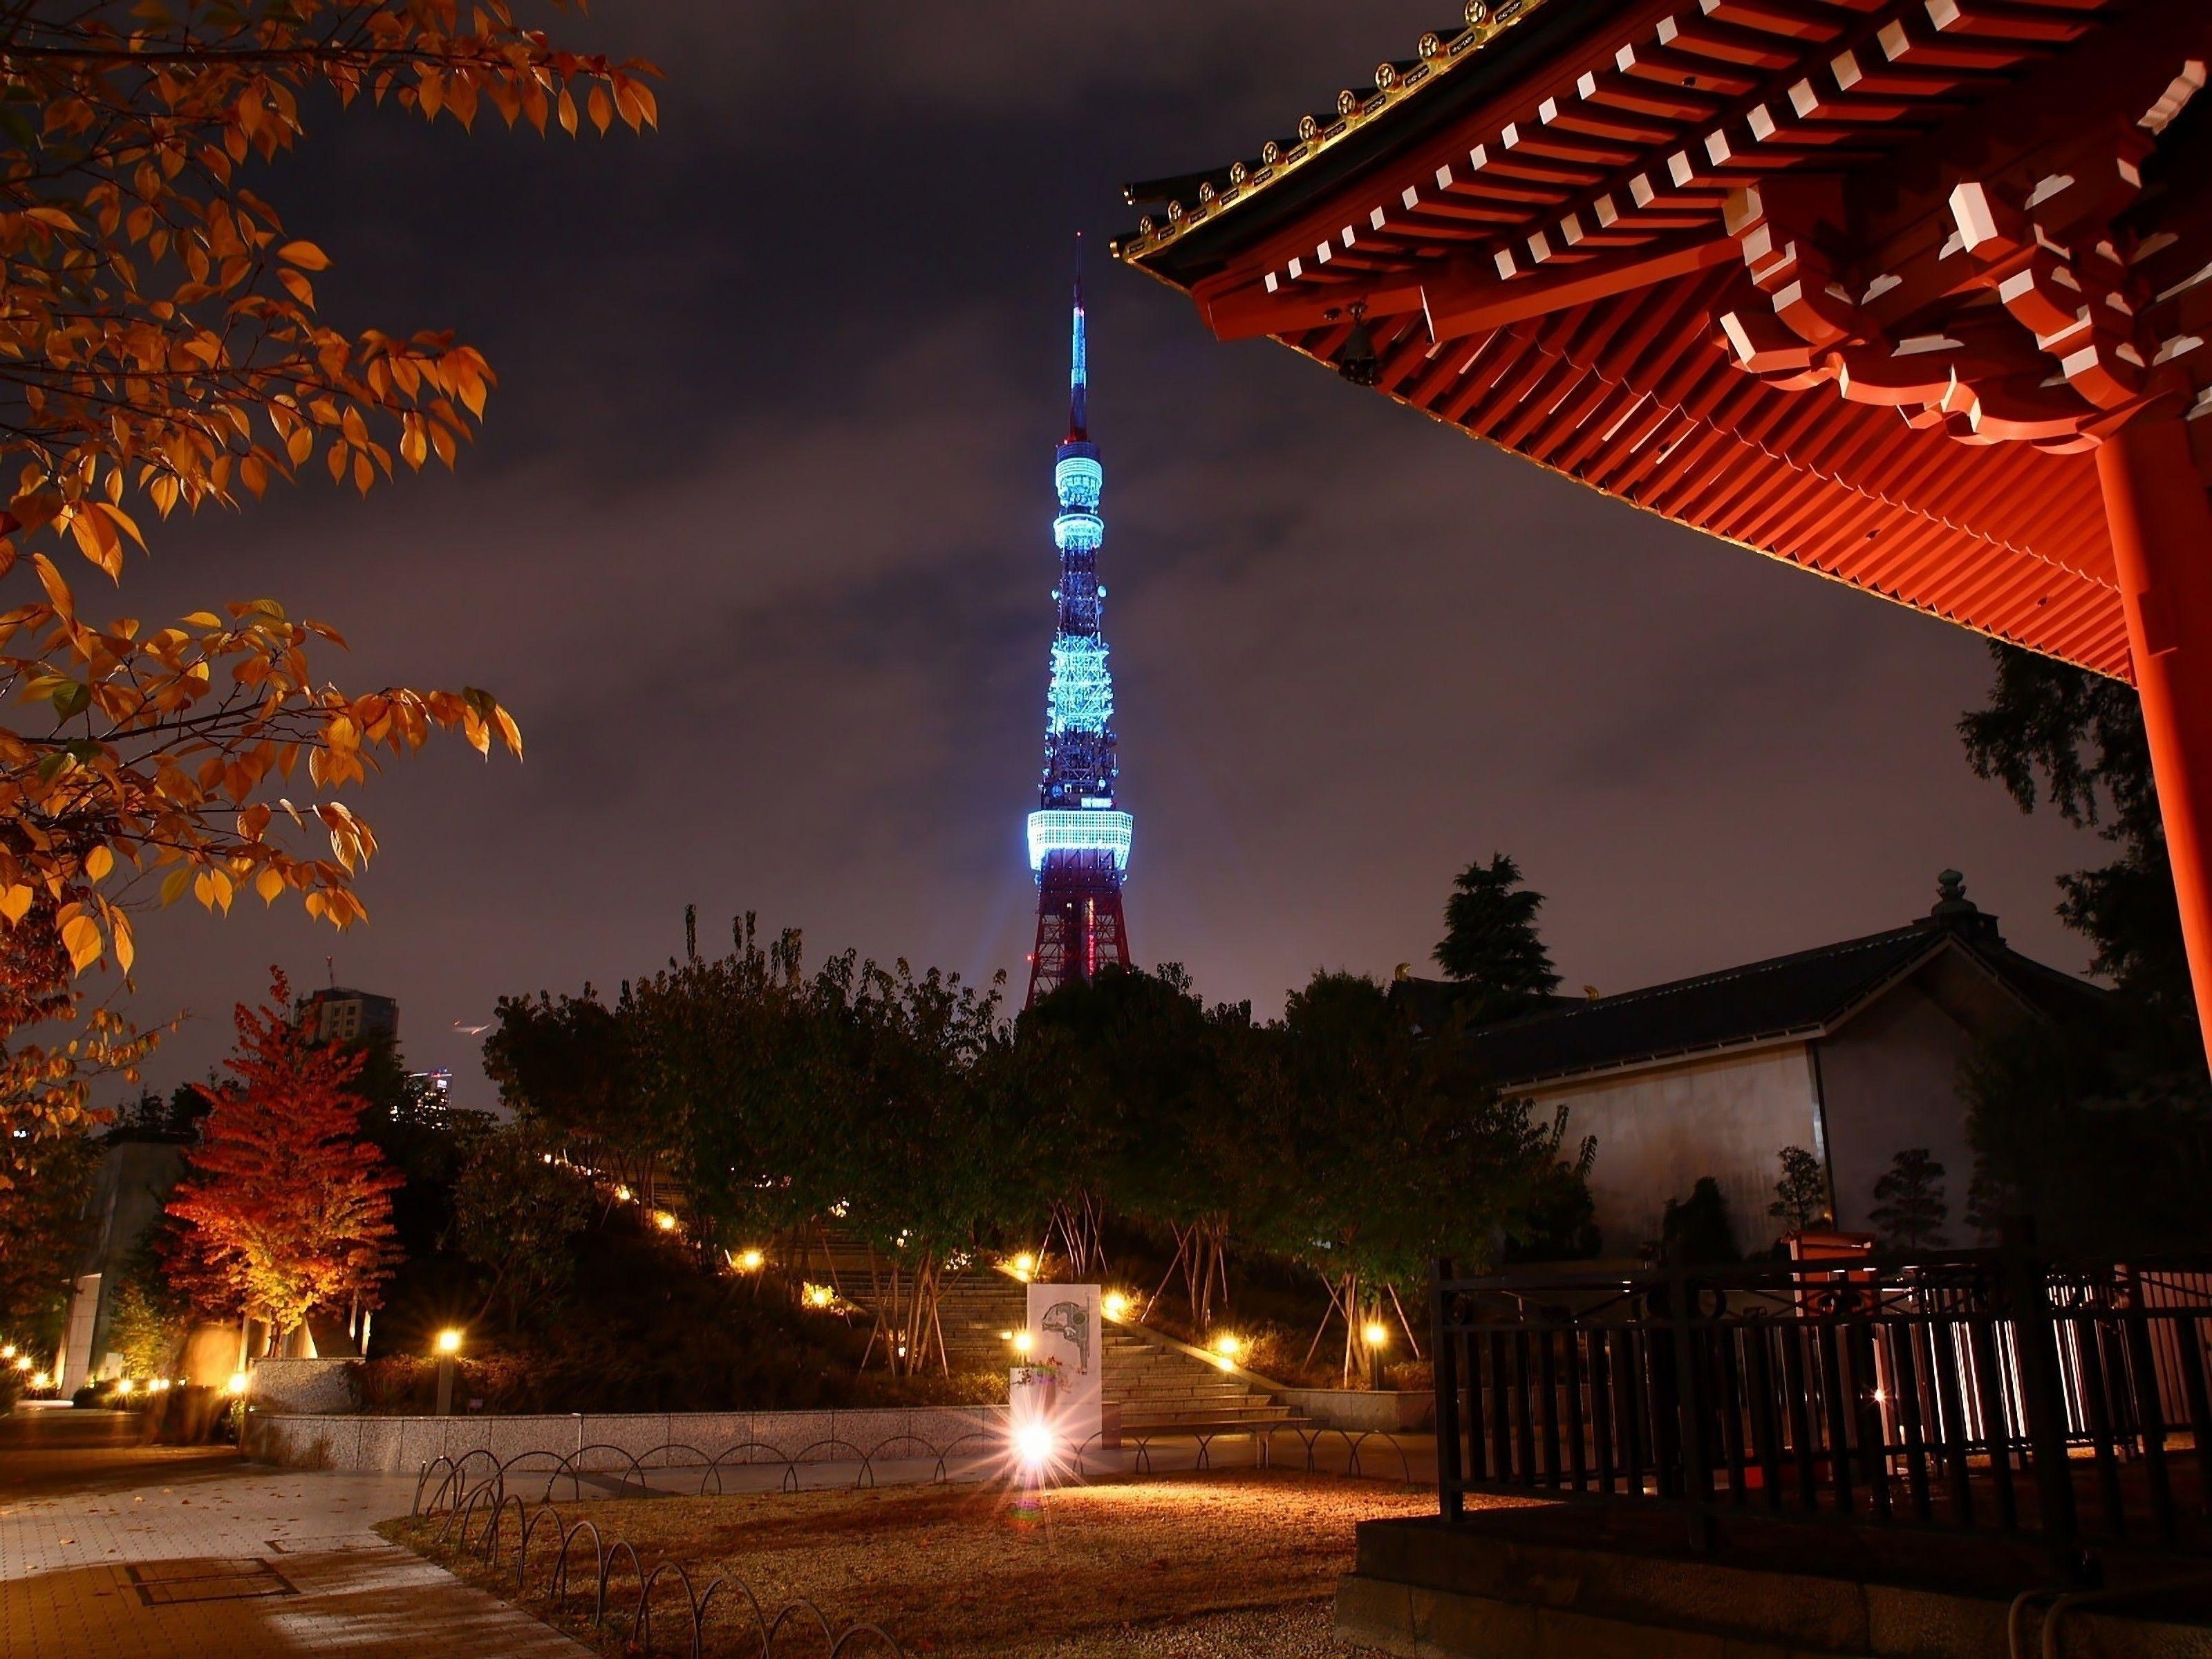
{"points": [[1079, 839]]}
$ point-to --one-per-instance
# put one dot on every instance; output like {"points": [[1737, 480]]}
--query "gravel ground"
{"points": [[1231, 1565]]}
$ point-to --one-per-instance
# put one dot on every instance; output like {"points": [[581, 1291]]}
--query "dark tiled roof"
{"points": [[1801, 993]]}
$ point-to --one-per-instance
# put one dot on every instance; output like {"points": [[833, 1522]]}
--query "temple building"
{"points": [[1852, 1051], [1912, 294]]}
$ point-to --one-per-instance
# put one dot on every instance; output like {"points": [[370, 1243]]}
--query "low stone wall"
{"points": [[315, 1387], [402, 1445], [1394, 1411]]}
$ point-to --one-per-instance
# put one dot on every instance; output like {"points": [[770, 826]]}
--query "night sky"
{"points": [[755, 543]]}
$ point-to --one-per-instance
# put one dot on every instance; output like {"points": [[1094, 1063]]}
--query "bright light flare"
{"points": [[1228, 1345], [42, 1381], [1023, 1342], [449, 1340], [1116, 1305], [1033, 1445], [238, 1384], [665, 1222], [820, 1296], [123, 1385], [1375, 1334], [24, 1362], [1024, 1267], [750, 1262]]}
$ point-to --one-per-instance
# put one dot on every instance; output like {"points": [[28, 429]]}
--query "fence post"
{"points": [[2042, 1395], [1443, 1352], [1689, 1400]]}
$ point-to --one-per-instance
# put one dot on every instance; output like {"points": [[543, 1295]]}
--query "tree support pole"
{"points": [[2161, 532]]}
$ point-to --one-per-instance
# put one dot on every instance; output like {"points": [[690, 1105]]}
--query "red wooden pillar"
{"points": [[2161, 531]]}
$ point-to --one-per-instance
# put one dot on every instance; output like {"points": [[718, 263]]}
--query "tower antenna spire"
{"points": [[1079, 372]]}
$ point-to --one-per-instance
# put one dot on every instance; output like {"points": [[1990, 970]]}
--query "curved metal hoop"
{"points": [[556, 1582], [775, 1625], [944, 1454], [1405, 1464], [713, 1470], [858, 1632], [621, 1546]]}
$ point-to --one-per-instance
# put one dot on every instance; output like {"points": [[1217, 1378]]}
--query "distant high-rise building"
{"points": [[428, 1094], [336, 1014]]}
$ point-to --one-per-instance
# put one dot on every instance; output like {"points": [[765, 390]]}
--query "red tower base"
{"points": [[1080, 925]]}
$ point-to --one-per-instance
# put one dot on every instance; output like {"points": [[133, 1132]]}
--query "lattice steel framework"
{"points": [[1079, 840]]}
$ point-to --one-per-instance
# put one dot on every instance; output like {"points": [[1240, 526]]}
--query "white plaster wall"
{"points": [[1658, 1130], [1891, 1080]]}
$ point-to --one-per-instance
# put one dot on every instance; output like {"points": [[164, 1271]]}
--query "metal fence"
{"points": [[1974, 1391]]}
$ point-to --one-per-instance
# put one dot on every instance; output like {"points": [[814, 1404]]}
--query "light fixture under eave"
{"points": [[1355, 359]]}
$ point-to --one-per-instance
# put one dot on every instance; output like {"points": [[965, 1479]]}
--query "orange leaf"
{"points": [[306, 255], [81, 939]]}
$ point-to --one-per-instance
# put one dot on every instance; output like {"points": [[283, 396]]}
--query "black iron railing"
{"points": [[1978, 1391]]}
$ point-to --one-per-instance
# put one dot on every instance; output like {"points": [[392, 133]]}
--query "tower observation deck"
{"points": [[1079, 839]]}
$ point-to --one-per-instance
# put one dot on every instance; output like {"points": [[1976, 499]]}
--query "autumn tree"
{"points": [[160, 348], [284, 1198]]}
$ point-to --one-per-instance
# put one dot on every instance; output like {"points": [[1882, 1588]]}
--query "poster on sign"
{"points": [[1065, 1331]]}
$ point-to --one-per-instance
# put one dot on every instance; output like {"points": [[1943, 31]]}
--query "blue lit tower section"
{"points": [[1079, 839]]}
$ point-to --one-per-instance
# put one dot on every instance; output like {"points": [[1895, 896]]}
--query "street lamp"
{"points": [[449, 1344], [1377, 1335]]}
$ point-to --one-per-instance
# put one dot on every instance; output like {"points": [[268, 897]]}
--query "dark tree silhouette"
{"points": [[1800, 1197], [1909, 1209], [1491, 946]]}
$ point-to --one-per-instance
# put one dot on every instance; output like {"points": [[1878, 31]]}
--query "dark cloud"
{"points": [[755, 543]]}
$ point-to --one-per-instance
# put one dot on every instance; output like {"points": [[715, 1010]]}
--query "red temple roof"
{"points": [[1856, 283]]}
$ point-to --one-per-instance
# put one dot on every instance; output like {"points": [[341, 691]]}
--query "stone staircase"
{"points": [[974, 1307], [1158, 1387], [1155, 1384]]}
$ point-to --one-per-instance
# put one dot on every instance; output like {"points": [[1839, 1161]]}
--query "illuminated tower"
{"points": [[1079, 839]]}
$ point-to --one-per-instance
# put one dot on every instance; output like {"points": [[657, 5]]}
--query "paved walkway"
{"points": [[108, 1549]]}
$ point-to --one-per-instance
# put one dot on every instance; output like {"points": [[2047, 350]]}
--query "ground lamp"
{"points": [[1115, 1305], [1033, 1446], [449, 1347]]}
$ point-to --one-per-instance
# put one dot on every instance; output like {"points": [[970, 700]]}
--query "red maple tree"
{"points": [[286, 1204]]}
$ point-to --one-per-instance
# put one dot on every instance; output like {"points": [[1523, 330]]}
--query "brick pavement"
{"points": [[121, 1553]]}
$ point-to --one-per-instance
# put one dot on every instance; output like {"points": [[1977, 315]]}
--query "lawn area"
{"points": [[1228, 1565]]}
